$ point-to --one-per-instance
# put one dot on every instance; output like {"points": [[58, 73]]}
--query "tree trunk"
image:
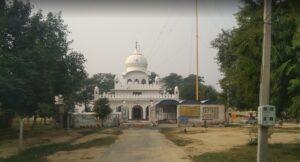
{"points": [[28, 120], [297, 116], [41, 121], [20, 133], [85, 106], [34, 121]]}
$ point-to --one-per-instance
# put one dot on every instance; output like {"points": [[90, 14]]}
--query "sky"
{"points": [[105, 31]]}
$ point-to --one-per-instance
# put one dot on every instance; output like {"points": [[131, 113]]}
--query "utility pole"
{"points": [[197, 57], [262, 146]]}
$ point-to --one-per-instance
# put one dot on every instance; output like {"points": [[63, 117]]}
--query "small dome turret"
{"points": [[156, 80]]}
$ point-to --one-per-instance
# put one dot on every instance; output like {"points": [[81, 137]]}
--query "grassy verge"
{"points": [[13, 133], [89, 131], [179, 141], [278, 153], [38, 153]]}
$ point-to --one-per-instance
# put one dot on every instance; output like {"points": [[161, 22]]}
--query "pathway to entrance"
{"points": [[143, 145]]}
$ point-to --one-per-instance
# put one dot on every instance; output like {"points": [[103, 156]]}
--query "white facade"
{"points": [[132, 95]]}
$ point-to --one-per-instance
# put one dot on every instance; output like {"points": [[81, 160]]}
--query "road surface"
{"points": [[143, 145]]}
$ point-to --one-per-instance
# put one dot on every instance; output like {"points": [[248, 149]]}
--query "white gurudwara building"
{"points": [[133, 95]]}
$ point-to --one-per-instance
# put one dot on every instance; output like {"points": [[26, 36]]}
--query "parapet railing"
{"points": [[133, 96]]}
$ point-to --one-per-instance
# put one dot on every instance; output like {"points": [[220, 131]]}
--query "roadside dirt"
{"points": [[87, 154], [77, 155], [220, 139]]}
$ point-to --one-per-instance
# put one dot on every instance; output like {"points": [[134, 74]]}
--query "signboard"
{"points": [[210, 113], [183, 119], [190, 111], [266, 115]]}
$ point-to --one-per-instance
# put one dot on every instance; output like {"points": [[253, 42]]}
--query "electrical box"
{"points": [[266, 115]]}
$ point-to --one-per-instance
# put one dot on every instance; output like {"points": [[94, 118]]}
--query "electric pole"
{"points": [[262, 146]]}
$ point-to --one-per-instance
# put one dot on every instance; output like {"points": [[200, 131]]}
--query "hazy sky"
{"points": [[106, 31]]}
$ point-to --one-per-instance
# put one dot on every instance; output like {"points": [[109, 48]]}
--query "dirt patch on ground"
{"points": [[77, 155], [224, 138], [213, 139], [88, 138], [284, 137]]}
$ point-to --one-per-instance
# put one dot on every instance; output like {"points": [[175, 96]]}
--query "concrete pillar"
{"points": [[144, 113], [129, 112]]}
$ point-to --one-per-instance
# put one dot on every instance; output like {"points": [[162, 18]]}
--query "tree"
{"points": [[240, 50], [170, 81], [105, 82], [45, 111], [187, 87], [35, 61], [102, 109], [152, 77]]}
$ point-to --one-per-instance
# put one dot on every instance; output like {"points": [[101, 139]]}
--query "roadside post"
{"points": [[59, 101], [183, 120]]}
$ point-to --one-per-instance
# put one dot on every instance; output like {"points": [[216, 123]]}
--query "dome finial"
{"points": [[136, 44], [137, 47]]}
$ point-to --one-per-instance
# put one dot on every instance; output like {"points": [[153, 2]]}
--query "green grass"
{"points": [[90, 131], [38, 153], [278, 153], [13, 133], [179, 141]]}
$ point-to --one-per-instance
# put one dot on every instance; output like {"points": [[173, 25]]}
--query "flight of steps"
{"points": [[136, 124]]}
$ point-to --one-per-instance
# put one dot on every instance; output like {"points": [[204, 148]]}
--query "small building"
{"points": [[164, 111], [192, 112]]}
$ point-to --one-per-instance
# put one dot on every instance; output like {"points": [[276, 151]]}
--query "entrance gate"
{"points": [[137, 112]]}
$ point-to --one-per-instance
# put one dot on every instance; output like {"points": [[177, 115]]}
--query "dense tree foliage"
{"points": [[151, 77], [35, 60], [105, 82], [187, 87], [240, 51], [102, 109], [170, 81]]}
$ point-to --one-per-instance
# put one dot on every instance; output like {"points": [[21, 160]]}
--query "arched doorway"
{"points": [[137, 112], [147, 112]]}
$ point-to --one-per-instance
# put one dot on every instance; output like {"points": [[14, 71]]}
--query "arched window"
{"points": [[136, 81], [144, 81], [119, 109], [129, 81]]}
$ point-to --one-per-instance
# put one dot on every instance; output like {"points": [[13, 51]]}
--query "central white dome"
{"points": [[136, 62]]}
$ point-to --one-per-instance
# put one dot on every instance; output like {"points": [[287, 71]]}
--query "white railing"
{"points": [[132, 96], [138, 86]]}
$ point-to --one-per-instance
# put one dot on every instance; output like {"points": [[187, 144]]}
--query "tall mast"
{"points": [[197, 57]]}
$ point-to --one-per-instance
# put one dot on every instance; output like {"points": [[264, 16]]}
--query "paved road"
{"points": [[143, 145]]}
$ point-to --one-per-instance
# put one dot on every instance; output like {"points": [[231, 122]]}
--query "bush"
{"points": [[253, 134]]}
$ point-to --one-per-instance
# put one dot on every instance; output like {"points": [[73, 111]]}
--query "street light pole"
{"points": [[262, 146]]}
